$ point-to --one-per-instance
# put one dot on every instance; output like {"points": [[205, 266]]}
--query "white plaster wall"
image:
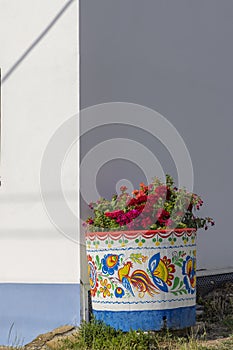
{"points": [[37, 98]]}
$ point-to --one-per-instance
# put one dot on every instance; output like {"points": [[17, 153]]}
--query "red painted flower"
{"points": [[170, 270]]}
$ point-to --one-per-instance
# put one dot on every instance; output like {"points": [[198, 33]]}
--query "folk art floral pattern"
{"points": [[142, 266]]}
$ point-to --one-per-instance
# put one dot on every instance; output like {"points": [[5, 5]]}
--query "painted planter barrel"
{"points": [[143, 279]]}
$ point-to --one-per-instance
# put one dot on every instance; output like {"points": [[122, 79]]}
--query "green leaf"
{"points": [[136, 258], [181, 284], [176, 282], [175, 293], [183, 291], [178, 264], [174, 259]]}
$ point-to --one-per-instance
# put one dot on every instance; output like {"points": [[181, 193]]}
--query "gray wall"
{"points": [[177, 58]]}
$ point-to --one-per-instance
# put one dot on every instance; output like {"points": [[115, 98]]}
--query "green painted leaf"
{"points": [[174, 259], [176, 282], [178, 264], [181, 284], [136, 258]]}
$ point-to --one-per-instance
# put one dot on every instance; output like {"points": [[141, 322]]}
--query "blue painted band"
{"points": [[149, 320], [27, 310]]}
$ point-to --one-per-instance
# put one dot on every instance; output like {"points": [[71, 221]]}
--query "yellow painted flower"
{"points": [[140, 244], [105, 289], [165, 270]]}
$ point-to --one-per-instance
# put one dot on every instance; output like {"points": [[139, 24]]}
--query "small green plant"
{"points": [[95, 335], [228, 322]]}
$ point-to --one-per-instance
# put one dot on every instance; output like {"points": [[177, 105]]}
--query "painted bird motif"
{"points": [[138, 279]]}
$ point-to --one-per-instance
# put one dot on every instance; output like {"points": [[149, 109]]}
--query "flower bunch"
{"points": [[152, 207]]}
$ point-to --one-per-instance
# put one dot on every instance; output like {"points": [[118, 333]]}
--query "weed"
{"points": [[95, 335]]}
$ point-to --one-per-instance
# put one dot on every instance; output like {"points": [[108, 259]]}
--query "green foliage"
{"points": [[95, 335]]}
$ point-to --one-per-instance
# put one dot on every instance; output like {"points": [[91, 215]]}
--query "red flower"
{"points": [[190, 207], [142, 199], [143, 187], [140, 207], [162, 217], [114, 214], [135, 192], [132, 202]]}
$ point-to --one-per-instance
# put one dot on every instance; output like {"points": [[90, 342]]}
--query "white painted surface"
{"points": [[36, 99]]}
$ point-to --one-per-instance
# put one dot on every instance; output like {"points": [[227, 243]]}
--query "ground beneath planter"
{"points": [[214, 328]]}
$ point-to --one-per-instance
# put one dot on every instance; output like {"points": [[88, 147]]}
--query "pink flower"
{"points": [[163, 192], [123, 188], [142, 199], [146, 222]]}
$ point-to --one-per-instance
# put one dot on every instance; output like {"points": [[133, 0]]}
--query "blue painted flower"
{"points": [[119, 292], [110, 263], [189, 272]]}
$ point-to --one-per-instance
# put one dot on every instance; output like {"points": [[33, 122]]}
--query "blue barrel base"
{"points": [[147, 320]]}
